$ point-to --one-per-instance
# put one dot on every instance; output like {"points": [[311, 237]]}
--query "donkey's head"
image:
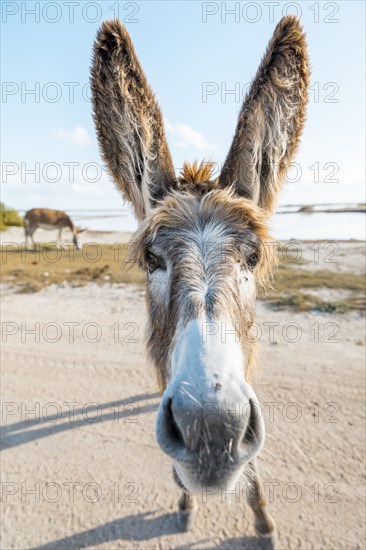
{"points": [[75, 237], [202, 242]]}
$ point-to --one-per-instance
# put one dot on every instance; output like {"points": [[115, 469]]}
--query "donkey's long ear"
{"points": [[128, 121], [271, 119]]}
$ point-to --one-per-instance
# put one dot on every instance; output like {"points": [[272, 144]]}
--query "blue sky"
{"points": [[186, 49]]}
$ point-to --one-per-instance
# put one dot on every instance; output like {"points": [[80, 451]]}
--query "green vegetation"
{"points": [[9, 217], [309, 302], [306, 208]]}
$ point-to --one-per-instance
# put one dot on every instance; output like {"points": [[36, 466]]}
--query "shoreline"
{"points": [[15, 235]]}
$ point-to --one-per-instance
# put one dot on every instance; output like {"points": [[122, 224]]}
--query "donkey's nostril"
{"points": [[168, 434], [252, 432], [174, 430], [185, 418]]}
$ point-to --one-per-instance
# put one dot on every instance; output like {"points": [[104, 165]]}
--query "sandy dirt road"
{"points": [[83, 469]]}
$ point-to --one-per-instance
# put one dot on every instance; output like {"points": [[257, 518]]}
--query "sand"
{"points": [[80, 465], [15, 235]]}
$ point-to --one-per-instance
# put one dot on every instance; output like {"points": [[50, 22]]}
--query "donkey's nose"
{"points": [[187, 420], [187, 424]]}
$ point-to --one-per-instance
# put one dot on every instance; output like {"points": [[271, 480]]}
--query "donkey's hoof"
{"points": [[185, 519], [267, 541]]}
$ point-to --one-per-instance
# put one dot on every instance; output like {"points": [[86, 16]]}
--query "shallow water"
{"points": [[319, 226], [294, 225]]}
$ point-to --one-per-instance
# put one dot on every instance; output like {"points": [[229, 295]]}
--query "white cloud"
{"points": [[186, 136], [78, 136]]}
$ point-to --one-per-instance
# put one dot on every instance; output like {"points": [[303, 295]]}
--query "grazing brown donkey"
{"points": [[203, 244], [49, 219]]}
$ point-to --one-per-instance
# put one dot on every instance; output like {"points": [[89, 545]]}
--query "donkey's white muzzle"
{"points": [[209, 420]]}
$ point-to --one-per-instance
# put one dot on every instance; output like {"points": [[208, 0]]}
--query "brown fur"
{"points": [[197, 178], [52, 219], [57, 218]]}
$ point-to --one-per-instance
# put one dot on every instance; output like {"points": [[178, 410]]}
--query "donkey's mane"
{"points": [[197, 178]]}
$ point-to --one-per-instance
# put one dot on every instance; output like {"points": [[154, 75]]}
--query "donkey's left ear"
{"points": [[128, 121], [271, 119]]}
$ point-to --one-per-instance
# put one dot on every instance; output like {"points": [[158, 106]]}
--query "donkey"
{"points": [[49, 219], [203, 243]]}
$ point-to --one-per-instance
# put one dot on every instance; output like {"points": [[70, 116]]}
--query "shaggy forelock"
{"points": [[183, 217]]}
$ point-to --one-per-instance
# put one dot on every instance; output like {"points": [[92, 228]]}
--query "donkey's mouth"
{"points": [[204, 473], [208, 451]]}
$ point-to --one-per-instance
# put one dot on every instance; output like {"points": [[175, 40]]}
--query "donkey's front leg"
{"points": [[187, 505], [60, 243], [264, 525]]}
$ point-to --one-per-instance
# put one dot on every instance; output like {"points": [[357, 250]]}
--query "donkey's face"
{"points": [[202, 256], [202, 243]]}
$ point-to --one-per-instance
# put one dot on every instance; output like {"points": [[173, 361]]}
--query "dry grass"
{"points": [[308, 302], [288, 279], [291, 290], [30, 271]]}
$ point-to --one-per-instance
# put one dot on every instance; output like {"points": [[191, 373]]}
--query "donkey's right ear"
{"points": [[128, 121]]}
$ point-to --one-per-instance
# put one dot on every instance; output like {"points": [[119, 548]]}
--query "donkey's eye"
{"points": [[252, 261], [154, 262]]}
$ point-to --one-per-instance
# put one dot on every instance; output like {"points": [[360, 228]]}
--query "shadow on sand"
{"points": [[142, 527], [25, 431], [145, 527]]}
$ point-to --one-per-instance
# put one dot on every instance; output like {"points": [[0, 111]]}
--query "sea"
{"points": [[287, 223]]}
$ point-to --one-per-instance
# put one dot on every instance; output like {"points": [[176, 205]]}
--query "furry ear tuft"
{"points": [[271, 119], [128, 121]]}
